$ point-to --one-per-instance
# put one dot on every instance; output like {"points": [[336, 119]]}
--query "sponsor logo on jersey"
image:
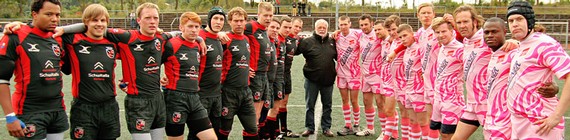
{"points": [[98, 65], [48, 64], [183, 56], [151, 60], [84, 49], [210, 48], [33, 48], [110, 52], [235, 48], [56, 49], [157, 44], [139, 47]]}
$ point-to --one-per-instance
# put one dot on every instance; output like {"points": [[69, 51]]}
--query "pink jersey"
{"points": [[448, 84], [540, 57], [429, 60], [386, 73], [476, 59], [348, 50], [499, 66], [413, 69], [397, 68], [371, 54]]}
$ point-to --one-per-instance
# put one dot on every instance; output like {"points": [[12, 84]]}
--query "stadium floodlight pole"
{"points": [[336, 16]]}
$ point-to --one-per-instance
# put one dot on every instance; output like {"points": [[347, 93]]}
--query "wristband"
{"points": [[10, 118]]}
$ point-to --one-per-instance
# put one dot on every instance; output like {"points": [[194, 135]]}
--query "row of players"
{"points": [[205, 85], [508, 83], [237, 66]]}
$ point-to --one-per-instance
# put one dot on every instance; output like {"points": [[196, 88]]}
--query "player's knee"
{"points": [[174, 130], [207, 134], [446, 136]]}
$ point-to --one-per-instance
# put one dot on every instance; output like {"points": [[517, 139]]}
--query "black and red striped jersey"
{"points": [[141, 58], [235, 66], [291, 45], [273, 62], [92, 65], [260, 50], [182, 65], [37, 60], [211, 66]]}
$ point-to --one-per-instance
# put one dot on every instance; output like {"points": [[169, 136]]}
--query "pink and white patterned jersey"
{"points": [[499, 67], [476, 58], [429, 60], [386, 73], [540, 57], [448, 84], [371, 54], [397, 68], [348, 50], [413, 69]]}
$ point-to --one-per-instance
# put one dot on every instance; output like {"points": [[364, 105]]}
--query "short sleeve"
{"points": [[555, 58], [8, 45]]}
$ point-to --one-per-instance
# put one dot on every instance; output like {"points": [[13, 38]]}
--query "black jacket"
{"points": [[320, 56]]}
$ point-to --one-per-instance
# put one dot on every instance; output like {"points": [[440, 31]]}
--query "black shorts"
{"points": [[444, 128], [259, 86], [287, 87], [43, 123], [183, 107], [236, 102], [144, 113], [213, 105], [94, 120], [278, 90]]}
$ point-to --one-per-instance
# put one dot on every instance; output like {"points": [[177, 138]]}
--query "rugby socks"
{"points": [[346, 111], [370, 119], [425, 132], [416, 132], [283, 118], [405, 128], [433, 135], [391, 127], [356, 114], [383, 119], [224, 134], [248, 136]]}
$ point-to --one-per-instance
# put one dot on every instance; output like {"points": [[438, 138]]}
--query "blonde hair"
{"points": [[405, 27], [474, 16], [539, 28], [423, 5], [93, 11], [265, 6], [436, 22], [393, 19], [237, 11], [146, 5], [189, 16]]}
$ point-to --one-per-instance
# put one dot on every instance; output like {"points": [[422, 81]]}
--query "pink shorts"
{"points": [[428, 96], [446, 113], [475, 112], [400, 96], [349, 83], [498, 132], [523, 128], [372, 83], [416, 102]]}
